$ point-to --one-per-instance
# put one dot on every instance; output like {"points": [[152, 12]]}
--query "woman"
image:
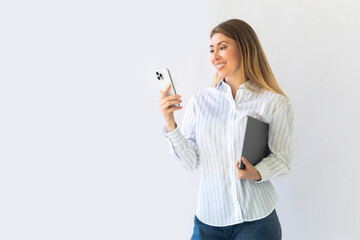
{"points": [[233, 203]]}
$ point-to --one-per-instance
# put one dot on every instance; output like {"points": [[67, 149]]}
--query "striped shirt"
{"points": [[211, 139]]}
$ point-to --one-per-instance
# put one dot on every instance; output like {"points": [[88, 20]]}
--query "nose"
{"points": [[216, 56]]}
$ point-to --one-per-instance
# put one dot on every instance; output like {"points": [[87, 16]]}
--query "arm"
{"points": [[280, 144], [183, 145]]}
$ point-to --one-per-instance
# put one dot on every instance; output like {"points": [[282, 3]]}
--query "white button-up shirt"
{"points": [[211, 139]]}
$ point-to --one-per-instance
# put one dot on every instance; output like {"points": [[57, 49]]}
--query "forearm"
{"points": [[273, 166], [280, 145], [183, 150]]}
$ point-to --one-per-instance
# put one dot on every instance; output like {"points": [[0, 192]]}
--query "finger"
{"points": [[168, 104], [237, 165], [173, 98], [245, 161], [167, 98], [172, 109], [163, 95]]}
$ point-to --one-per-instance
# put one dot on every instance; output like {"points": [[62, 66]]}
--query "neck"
{"points": [[234, 85]]}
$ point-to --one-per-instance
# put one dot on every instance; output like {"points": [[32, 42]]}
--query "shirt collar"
{"points": [[250, 83], [220, 82]]}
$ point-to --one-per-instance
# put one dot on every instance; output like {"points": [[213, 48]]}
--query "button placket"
{"points": [[234, 179], [238, 98]]}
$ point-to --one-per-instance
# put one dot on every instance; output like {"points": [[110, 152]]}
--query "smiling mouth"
{"points": [[220, 66]]}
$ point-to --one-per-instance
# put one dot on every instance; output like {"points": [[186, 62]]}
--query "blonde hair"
{"points": [[253, 63]]}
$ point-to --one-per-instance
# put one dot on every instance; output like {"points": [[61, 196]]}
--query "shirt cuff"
{"points": [[175, 136], [264, 172]]}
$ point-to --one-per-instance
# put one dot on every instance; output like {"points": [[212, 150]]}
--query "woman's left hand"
{"points": [[249, 172]]}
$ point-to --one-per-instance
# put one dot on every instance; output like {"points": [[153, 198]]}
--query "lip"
{"points": [[221, 66]]}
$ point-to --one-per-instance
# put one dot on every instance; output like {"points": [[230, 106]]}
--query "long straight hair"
{"points": [[253, 63]]}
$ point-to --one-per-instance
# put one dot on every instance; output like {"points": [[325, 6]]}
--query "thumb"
{"points": [[244, 160]]}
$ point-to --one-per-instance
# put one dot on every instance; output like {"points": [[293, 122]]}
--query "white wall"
{"points": [[82, 155]]}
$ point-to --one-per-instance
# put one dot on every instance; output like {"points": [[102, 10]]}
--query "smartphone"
{"points": [[164, 78]]}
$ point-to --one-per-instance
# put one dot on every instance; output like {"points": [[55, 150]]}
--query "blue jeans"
{"points": [[267, 228]]}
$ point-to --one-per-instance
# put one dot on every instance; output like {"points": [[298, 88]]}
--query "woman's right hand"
{"points": [[168, 112]]}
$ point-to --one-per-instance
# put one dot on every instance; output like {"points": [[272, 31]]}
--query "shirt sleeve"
{"points": [[280, 145], [183, 145]]}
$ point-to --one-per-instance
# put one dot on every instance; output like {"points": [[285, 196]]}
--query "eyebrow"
{"points": [[219, 43]]}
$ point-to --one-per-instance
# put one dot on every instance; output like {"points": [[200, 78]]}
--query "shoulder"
{"points": [[275, 102]]}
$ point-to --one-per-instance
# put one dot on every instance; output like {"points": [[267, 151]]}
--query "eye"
{"points": [[222, 48]]}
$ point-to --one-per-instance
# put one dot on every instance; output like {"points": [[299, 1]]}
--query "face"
{"points": [[225, 50]]}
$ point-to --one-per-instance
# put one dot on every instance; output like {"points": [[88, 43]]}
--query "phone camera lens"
{"points": [[158, 78], [160, 75], [157, 73]]}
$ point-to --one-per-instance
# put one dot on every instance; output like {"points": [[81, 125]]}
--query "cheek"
{"points": [[235, 58]]}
